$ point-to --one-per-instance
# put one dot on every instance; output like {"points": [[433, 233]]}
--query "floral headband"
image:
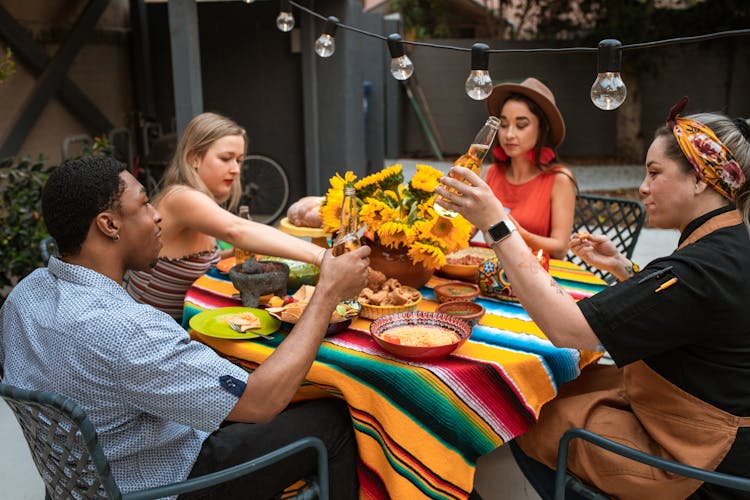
{"points": [[713, 162]]}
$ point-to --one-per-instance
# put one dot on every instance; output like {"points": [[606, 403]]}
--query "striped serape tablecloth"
{"points": [[421, 427]]}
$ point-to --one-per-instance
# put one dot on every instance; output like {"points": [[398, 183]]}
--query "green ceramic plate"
{"points": [[211, 323]]}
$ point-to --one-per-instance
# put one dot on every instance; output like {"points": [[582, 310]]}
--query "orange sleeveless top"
{"points": [[530, 203]]}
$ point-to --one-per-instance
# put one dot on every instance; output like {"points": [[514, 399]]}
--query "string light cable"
{"points": [[608, 91]]}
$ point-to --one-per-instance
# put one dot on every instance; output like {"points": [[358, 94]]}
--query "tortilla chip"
{"points": [[243, 321]]}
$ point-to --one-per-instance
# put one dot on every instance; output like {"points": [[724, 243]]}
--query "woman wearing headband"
{"points": [[678, 330], [539, 193]]}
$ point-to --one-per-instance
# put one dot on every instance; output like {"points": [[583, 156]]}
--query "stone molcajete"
{"points": [[253, 279]]}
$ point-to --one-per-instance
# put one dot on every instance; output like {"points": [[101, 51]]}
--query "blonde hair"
{"points": [[199, 135]]}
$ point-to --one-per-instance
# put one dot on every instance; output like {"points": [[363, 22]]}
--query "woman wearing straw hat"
{"points": [[539, 193]]}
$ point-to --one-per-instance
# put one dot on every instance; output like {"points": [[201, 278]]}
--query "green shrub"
{"points": [[7, 66], [21, 225]]}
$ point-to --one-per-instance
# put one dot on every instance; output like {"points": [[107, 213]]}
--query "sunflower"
{"points": [[375, 213], [330, 210], [452, 233], [427, 253], [394, 233], [424, 181]]}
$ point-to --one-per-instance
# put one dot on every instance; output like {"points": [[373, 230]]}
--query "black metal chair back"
{"points": [[619, 219], [67, 454], [565, 480]]}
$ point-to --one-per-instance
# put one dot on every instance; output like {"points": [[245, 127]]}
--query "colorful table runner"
{"points": [[420, 427]]}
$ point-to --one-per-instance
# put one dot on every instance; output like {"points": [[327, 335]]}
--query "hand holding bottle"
{"points": [[474, 157]]}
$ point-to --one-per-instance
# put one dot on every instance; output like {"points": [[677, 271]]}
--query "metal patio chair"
{"points": [[64, 445], [564, 480], [619, 219]]}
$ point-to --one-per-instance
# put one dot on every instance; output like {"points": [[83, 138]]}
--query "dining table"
{"points": [[421, 425]]}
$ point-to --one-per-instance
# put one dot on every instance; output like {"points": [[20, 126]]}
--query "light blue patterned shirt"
{"points": [[153, 395]]}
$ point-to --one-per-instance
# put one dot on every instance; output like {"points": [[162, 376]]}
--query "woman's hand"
{"points": [[598, 250], [470, 197]]}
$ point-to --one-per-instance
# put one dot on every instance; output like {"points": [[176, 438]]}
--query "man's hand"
{"points": [[343, 277]]}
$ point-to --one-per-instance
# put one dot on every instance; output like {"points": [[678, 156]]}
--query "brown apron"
{"points": [[637, 407]]}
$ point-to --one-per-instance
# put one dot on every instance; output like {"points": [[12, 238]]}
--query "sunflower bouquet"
{"points": [[399, 215]]}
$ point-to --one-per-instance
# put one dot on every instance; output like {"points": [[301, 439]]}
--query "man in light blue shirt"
{"points": [[158, 399]]}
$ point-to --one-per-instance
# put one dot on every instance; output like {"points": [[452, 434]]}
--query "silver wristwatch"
{"points": [[498, 232]]}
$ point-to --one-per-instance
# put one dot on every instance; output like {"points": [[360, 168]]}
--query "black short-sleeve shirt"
{"points": [[696, 332]]}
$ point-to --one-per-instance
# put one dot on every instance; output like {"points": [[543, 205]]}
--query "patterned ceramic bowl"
{"points": [[383, 331], [493, 282]]}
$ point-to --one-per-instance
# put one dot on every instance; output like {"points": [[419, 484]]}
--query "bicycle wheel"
{"points": [[265, 188]]}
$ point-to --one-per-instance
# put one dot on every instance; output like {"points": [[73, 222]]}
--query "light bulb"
{"points": [[608, 91], [325, 45], [401, 66], [285, 21], [479, 83]]}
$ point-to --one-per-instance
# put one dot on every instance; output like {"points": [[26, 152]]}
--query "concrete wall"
{"points": [[101, 69], [713, 74]]}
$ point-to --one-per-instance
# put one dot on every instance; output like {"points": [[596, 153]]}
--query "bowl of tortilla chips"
{"points": [[341, 317]]}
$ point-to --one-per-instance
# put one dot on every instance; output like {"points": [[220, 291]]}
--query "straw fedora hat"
{"points": [[537, 92]]}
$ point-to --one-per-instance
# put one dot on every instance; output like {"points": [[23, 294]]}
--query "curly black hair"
{"points": [[75, 193]]}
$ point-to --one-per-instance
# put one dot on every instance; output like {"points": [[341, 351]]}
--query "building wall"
{"points": [[713, 74], [101, 69]]}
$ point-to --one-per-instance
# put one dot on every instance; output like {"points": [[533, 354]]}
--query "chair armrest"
{"points": [[721, 479], [239, 470]]}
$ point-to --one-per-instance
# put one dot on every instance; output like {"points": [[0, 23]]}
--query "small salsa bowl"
{"points": [[381, 327], [471, 312], [456, 291]]}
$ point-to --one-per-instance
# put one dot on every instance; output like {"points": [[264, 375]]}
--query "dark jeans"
{"points": [[541, 477], [234, 443]]}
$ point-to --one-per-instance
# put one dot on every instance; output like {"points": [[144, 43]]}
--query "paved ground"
{"points": [[497, 474]]}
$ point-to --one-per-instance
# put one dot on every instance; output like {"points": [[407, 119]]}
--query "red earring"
{"points": [[499, 153], [545, 157]]}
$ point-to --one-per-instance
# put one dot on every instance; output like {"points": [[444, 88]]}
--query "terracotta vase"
{"points": [[396, 263]]}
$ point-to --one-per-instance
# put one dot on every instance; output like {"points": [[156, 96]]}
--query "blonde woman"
{"points": [[201, 186]]}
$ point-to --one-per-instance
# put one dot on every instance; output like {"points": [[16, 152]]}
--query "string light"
{"points": [[285, 19], [401, 66], [610, 94], [479, 83], [325, 45], [608, 91]]}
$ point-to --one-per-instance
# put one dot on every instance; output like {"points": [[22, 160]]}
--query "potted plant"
{"points": [[405, 232]]}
